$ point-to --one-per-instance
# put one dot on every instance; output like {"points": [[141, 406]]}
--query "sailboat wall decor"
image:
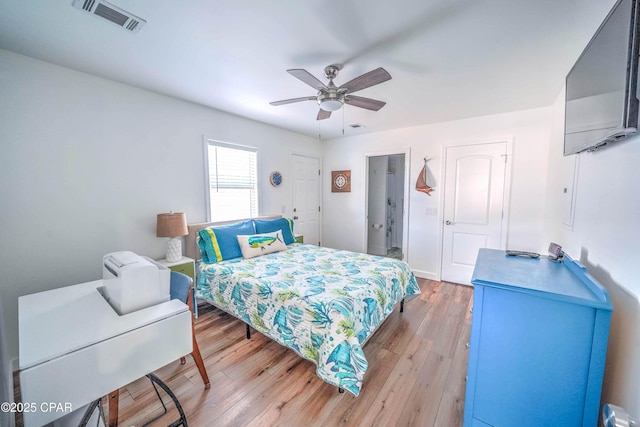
{"points": [[421, 183]]}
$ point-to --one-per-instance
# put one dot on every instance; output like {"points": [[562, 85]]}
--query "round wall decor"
{"points": [[275, 178]]}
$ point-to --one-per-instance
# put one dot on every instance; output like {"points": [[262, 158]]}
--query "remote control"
{"points": [[523, 254]]}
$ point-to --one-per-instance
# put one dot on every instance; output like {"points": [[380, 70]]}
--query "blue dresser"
{"points": [[538, 343]]}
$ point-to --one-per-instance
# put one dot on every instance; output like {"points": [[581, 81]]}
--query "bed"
{"points": [[323, 303]]}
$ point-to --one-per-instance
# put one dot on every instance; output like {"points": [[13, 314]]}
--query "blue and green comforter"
{"points": [[323, 303]]}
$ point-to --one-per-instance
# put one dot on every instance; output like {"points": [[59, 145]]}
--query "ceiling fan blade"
{"points": [[322, 114], [368, 103], [307, 77], [292, 100], [366, 80]]}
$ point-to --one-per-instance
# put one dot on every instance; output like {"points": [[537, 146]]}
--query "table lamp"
{"points": [[172, 225]]}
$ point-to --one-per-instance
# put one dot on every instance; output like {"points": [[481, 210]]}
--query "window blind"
{"points": [[233, 187]]}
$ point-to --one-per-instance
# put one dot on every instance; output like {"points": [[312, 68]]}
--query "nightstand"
{"points": [[185, 266]]}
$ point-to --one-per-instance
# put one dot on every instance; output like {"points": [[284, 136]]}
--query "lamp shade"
{"points": [[171, 225]]}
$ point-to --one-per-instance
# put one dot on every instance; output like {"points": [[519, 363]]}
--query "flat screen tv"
{"points": [[601, 103]]}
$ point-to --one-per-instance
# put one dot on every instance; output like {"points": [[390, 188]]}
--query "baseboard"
{"points": [[426, 275]]}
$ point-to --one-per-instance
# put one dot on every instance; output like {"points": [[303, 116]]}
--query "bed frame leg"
{"points": [[248, 332], [402, 306], [340, 390]]}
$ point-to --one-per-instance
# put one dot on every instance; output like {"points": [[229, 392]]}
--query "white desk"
{"points": [[74, 348]]}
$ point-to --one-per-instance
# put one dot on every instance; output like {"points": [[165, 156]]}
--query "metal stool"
{"points": [[155, 381]]}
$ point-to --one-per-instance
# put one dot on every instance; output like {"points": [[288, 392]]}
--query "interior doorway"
{"points": [[475, 195], [386, 205], [306, 197]]}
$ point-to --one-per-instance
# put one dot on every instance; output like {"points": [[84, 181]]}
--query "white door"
{"points": [[306, 197], [377, 206], [473, 206]]}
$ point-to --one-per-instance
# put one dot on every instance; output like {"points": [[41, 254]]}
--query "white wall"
{"points": [[605, 237], [87, 163], [6, 375], [344, 213]]}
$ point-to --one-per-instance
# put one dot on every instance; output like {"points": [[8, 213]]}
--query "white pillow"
{"points": [[261, 244]]}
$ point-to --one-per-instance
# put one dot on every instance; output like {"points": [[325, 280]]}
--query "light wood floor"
{"points": [[416, 377]]}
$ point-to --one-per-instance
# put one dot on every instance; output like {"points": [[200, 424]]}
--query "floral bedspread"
{"points": [[323, 303]]}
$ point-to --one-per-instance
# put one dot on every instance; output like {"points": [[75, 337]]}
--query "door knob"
{"points": [[295, 217], [448, 222]]}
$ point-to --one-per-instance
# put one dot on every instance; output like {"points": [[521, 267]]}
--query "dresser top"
{"points": [[567, 280]]}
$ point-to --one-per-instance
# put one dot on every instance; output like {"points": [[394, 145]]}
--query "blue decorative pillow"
{"points": [[271, 225], [221, 243]]}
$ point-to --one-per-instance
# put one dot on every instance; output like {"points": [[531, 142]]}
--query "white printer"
{"points": [[133, 282]]}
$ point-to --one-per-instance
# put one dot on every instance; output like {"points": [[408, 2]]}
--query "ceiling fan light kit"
{"points": [[328, 103], [331, 97]]}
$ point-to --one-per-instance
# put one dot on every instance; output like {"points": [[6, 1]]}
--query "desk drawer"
{"points": [[84, 375]]}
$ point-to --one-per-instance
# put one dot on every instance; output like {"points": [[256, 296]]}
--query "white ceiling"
{"points": [[449, 59]]}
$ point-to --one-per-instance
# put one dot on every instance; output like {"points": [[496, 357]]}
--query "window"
{"points": [[232, 179]]}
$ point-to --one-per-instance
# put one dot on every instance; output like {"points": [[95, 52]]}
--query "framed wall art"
{"points": [[341, 181]]}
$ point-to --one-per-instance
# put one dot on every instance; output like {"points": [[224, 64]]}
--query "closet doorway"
{"points": [[387, 184]]}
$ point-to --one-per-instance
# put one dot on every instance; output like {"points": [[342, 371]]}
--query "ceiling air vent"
{"points": [[111, 13]]}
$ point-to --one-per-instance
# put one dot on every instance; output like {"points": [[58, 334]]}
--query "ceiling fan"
{"points": [[331, 97]]}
